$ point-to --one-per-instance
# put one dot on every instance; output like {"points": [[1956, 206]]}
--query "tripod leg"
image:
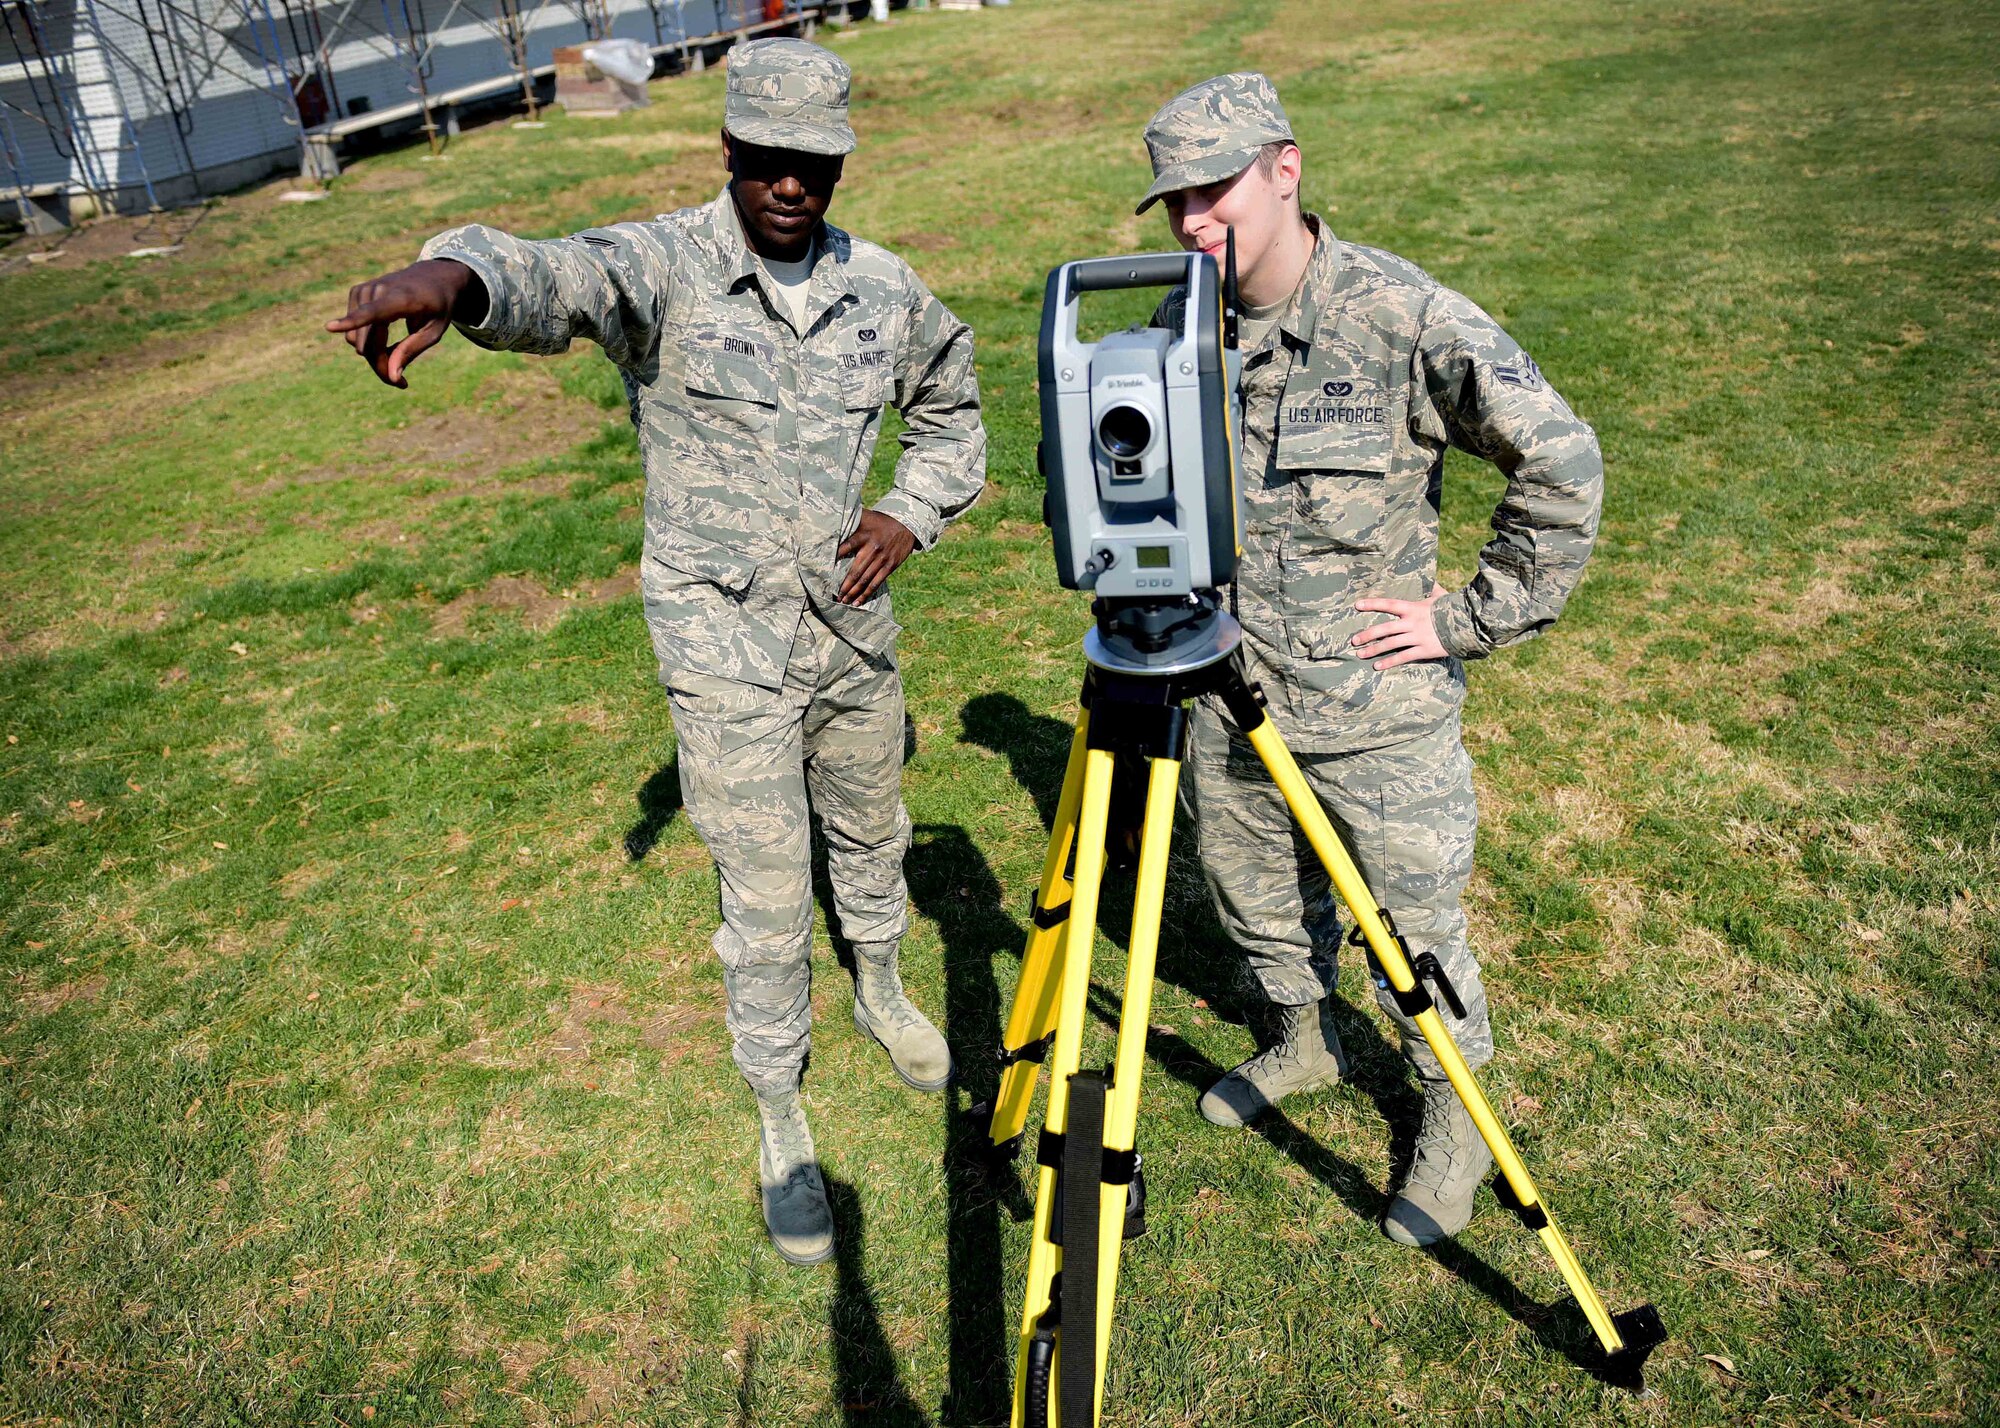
{"points": [[1416, 1003], [1121, 1112], [1033, 1014], [1044, 1256]]}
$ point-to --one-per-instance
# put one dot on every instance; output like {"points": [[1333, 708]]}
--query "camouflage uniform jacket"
{"points": [[756, 438], [1349, 405]]}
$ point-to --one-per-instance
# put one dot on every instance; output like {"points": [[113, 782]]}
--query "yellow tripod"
{"points": [[1089, 1194]]}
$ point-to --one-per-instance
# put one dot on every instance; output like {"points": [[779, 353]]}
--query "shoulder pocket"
{"points": [[866, 352], [732, 397], [1336, 418]]}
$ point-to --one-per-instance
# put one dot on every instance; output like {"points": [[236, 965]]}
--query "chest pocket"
{"points": [[738, 388], [1336, 442], [867, 363]]}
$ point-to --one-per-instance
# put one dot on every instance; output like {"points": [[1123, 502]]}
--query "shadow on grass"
{"points": [[1199, 960], [1037, 748], [1559, 1327], [659, 800], [952, 885], [866, 1383]]}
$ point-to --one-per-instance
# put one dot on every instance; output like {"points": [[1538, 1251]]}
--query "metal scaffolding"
{"points": [[189, 44], [53, 87], [95, 78], [144, 104]]}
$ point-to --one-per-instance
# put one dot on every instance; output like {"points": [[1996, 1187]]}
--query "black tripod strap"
{"points": [[1082, 1171]]}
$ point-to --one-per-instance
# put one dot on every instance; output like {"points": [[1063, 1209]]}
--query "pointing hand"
{"points": [[425, 297]]}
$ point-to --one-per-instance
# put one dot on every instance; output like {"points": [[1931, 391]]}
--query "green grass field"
{"points": [[363, 1052]]}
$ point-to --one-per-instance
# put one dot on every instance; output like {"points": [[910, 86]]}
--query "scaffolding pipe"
{"points": [[309, 51], [516, 39], [61, 136], [17, 165], [77, 144], [124, 114], [274, 69], [180, 108], [418, 57]]}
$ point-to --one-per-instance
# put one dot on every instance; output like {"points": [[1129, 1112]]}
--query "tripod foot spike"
{"points": [[1642, 1330], [984, 1153]]}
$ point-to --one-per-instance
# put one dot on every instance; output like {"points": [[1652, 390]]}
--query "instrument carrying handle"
{"points": [[1147, 270]]}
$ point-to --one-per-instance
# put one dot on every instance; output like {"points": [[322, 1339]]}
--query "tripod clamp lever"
{"points": [[1121, 1167], [1042, 1357], [1429, 969], [1416, 1001], [1036, 1051]]}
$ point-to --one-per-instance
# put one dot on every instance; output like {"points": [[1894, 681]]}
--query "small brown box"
{"points": [[582, 88]]}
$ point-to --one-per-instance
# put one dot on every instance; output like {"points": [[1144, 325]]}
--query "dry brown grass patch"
{"points": [[1586, 812], [1412, 39], [647, 1356], [601, 1002], [53, 999], [506, 1137], [379, 178], [1702, 756], [102, 239], [528, 600], [519, 1360], [657, 143], [512, 594], [161, 380], [524, 413]]}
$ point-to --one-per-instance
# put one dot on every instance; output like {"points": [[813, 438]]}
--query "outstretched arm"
{"points": [[606, 285]]}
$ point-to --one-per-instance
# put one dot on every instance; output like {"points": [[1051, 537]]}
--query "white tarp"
{"points": [[627, 60]]}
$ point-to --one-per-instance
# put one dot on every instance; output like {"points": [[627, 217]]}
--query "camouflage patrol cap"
{"points": [[788, 94], [1212, 132]]}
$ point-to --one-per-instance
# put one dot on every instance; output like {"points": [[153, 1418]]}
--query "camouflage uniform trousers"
{"points": [[1406, 813], [754, 764]]}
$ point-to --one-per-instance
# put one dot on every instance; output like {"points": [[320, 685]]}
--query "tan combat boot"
{"points": [[1436, 1198], [883, 1010], [1306, 1057], [795, 1208]]}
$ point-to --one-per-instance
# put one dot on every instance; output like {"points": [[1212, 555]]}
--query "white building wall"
{"points": [[38, 84]]}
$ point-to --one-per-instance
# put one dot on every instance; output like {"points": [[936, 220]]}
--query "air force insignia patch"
{"points": [[1523, 374]]}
